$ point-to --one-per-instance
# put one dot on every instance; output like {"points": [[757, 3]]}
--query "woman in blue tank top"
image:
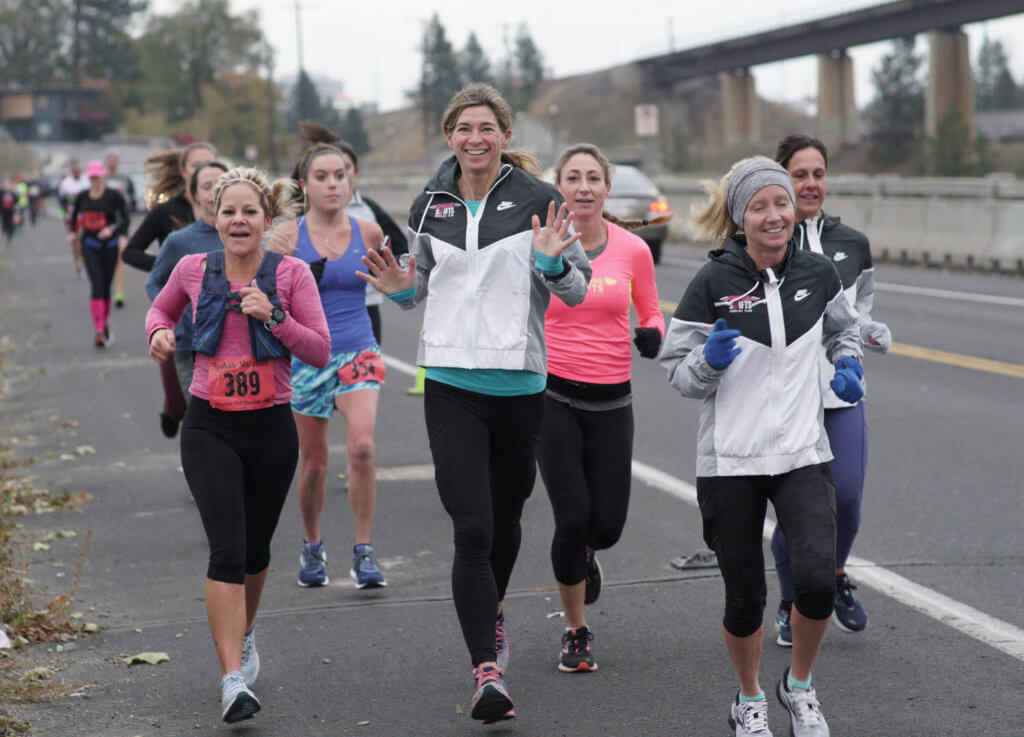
{"points": [[334, 244]]}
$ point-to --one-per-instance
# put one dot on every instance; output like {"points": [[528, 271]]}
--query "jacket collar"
{"points": [[734, 254], [446, 178]]}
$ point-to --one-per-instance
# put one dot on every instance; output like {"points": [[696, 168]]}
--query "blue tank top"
{"points": [[342, 293]]}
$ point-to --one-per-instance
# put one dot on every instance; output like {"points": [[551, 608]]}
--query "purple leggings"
{"points": [[847, 430]]}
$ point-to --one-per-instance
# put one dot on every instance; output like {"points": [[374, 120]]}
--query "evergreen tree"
{"points": [[307, 104], [896, 115], [473, 63], [994, 86], [951, 153], [529, 66], [100, 45], [439, 77], [31, 41], [353, 130]]}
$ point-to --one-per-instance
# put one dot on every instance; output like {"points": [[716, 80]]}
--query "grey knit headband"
{"points": [[751, 177]]}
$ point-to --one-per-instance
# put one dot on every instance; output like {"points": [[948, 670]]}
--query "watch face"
{"points": [[277, 314]]}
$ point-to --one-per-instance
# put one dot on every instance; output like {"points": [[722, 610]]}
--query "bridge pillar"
{"points": [[838, 120], [950, 85], [741, 108]]}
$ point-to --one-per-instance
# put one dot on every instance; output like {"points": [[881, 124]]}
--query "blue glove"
{"points": [[846, 383], [720, 347]]}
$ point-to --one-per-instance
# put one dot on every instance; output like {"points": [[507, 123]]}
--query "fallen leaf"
{"points": [[458, 709], [42, 673], [67, 533], [361, 724], [84, 449], [150, 658], [40, 546], [91, 627], [66, 457], [553, 615]]}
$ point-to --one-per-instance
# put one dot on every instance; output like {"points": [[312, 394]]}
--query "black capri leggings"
{"points": [[238, 466], [733, 510], [484, 450], [585, 459], [99, 266]]}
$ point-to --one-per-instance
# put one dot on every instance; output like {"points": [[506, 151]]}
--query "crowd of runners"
{"points": [[266, 321]]}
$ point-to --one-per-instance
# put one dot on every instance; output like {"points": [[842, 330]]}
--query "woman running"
{"points": [[486, 269], [745, 340], [335, 244], [101, 219], [586, 442], [199, 237], [169, 173], [362, 207], [806, 160], [252, 310]]}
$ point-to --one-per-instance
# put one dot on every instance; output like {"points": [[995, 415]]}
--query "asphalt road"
{"points": [[942, 509]]}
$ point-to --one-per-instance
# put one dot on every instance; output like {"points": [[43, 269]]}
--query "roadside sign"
{"points": [[646, 120]]}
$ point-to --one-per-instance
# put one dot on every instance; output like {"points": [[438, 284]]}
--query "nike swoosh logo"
{"points": [[801, 295], [505, 205]]}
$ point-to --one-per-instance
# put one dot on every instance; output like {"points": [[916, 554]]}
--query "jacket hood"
{"points": [[444, 179], [733, 254], [829, 221]]}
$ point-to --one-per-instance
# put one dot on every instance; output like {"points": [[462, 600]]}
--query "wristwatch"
{"points": [[277, 317]]}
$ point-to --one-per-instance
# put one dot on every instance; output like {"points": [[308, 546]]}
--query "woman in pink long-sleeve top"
{"points": [[252, 310], [586, 446]]}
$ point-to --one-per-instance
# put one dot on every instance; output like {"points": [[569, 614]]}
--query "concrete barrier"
{"points": [[961, 222]]}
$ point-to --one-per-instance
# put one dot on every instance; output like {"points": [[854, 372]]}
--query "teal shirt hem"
{"points": [[495, 382]]}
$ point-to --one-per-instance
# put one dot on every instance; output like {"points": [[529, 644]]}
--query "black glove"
{"points": [[647, 341]]}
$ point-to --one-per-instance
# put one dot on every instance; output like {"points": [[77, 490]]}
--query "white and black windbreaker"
{"points": [[485, 300], [762, 415], [850, 253]]}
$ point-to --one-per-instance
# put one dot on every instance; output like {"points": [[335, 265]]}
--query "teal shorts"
{"points": [[314, 390]]}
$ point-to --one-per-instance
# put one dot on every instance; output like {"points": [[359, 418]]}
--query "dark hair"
{"points": [[798, 142], [193, 184]]}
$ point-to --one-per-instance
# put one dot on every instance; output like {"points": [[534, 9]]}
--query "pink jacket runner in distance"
{"points": [[591, 342]]}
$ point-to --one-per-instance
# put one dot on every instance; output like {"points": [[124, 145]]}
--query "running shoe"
{"points": [[593, 579], [749, 718], [101, 341], [501, 643], [785, 638], [491, 702], [577, 656], [250, 669], [313, 565], [805, 717], [237, 702], [365, 571], [848, 614], [108, 336], [168, 425], [119, 300]]}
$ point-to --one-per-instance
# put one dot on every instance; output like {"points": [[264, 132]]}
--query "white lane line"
{"points": [[991, 299], [989, 630]]}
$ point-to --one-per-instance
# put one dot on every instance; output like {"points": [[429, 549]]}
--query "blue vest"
{"points": [[216, 298]]}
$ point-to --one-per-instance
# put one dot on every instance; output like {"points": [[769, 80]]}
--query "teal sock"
{"points": [[759, 697], [794, 683]]}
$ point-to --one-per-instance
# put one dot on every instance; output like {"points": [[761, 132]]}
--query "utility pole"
{"points": [[271, 112], [76, 44], [298, 34]]}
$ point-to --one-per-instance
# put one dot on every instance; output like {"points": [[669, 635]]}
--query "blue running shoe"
{"points": [[848, 614], [785, 638], [313, 562], [365, 571]]}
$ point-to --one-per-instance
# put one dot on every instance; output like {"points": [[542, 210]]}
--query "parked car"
{"points": [[635, 197]]}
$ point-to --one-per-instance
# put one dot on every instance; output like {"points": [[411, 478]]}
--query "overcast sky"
{"points": [[371, 45]]}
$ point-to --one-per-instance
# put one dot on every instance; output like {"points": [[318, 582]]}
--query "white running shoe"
{"points": [[805, 717], [237, 702], [250, 669], [749, 718]]}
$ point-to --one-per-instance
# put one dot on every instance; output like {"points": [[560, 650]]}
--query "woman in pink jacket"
{"points": [[252, 311], [586, 446]]}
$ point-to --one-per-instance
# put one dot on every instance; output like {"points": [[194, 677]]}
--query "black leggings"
{"points": [[374, 312], [238, 466], [733, 510], [99, 266], [585, 459], [484, 450]]}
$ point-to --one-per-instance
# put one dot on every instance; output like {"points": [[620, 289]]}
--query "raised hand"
{"points": [[386, 274], [551, 240], [720, 348], [876, 336]]}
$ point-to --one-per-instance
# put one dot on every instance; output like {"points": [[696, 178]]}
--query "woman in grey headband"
{"points": [[744, 340]]}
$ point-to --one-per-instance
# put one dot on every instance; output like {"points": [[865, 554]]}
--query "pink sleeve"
{"points": [[169, 304], [645, 291], [304, 330]]}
